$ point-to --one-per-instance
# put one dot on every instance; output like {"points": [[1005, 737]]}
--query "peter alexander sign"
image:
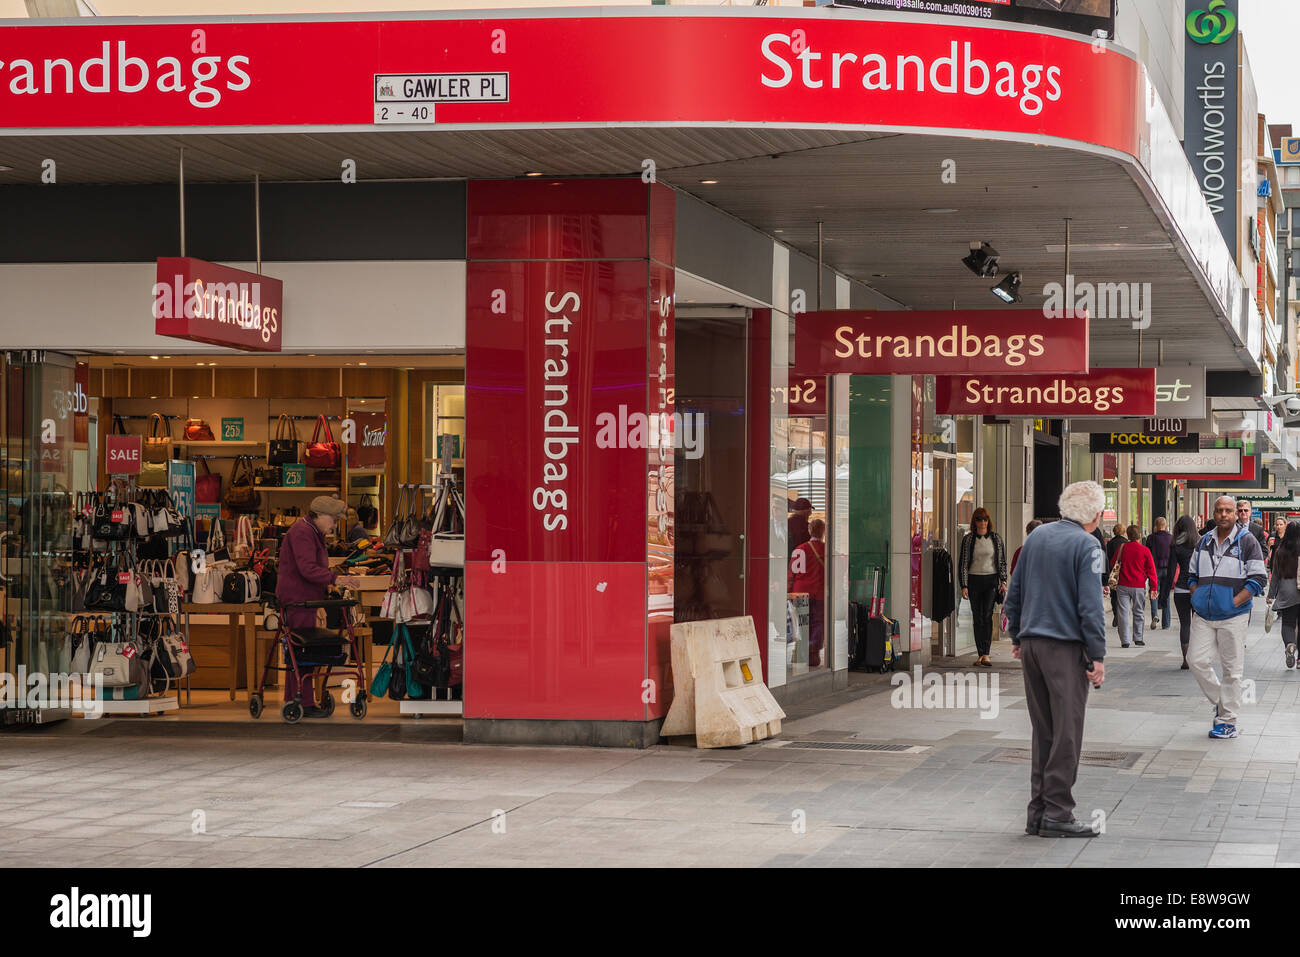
{"points": [[993, 341], [1210, 107], [206, 302], [1204, 462]]}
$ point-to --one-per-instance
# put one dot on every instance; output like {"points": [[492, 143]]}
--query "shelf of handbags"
{"points": [[423, 666], [127, 628]]}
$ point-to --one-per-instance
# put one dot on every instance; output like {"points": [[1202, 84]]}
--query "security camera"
{"points": [[1290, 402]]}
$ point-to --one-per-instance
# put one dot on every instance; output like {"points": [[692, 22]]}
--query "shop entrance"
{"points": [[711, 478]]}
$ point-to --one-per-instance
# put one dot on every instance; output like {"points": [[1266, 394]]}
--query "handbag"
{"points": [[367, 513], [404, 601], [1112, 580], [196, 430], [119, 664], [268, 475], [157, 447], [384, 674], [114, 588], [110, 521], [239, 588], [243, 547], [242, 495], [207, 487], [172, 654], [217, 549], [392, 538], [322, 454], [447, 545], [208, 586], [167, 519], [283, 449], [332, 477]]}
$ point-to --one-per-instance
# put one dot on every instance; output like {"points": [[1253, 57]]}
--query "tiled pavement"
{"points": [[80, 794]]}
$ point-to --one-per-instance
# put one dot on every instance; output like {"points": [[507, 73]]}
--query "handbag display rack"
{"points": [[425, 657], [129, 626]]}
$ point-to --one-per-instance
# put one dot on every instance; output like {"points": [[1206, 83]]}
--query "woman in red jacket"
{"points": [[305, 575], [1137, 569], [808, 575]]}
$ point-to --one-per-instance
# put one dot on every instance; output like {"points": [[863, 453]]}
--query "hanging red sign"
{"points": [[206, 302], [994, 341], [122, 454], [1108, 391], [368, 449]]}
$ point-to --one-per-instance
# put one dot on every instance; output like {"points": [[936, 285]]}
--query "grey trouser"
{"points": [[1056, 692], [1132, 613]]}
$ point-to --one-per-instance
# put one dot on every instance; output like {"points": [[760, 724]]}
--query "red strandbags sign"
{"points": [[824, 67], [206, 302], [369, 447], [1101, 391], [995, 341], [122, 454]]}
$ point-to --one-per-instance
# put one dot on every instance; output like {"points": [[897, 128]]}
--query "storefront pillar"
{"points": [[569, 365]]}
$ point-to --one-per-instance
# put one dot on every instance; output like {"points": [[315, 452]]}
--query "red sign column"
{"points": [[569, 330]]}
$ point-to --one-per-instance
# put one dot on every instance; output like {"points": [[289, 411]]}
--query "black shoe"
{"points": [[1070, 828], [315, 713], [1140, 642]]}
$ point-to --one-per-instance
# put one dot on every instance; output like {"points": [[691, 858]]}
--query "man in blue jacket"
{"points": [[1226, 573], [1057, 622]]}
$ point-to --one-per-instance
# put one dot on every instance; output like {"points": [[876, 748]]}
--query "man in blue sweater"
{"points": [[1226, 573], [1057, 622]]}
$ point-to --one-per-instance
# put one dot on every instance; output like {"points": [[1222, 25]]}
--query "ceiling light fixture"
{"points": [[708, 182], [940, 210], [1008, 290], [532, 174], [982, 260], [153, 357]]}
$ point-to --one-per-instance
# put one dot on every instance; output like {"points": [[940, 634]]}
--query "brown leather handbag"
{"points": [[242, 494], [196, 430]]}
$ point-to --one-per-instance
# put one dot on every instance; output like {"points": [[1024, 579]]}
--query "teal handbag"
{"points": [[413, 688], [379, 687]]}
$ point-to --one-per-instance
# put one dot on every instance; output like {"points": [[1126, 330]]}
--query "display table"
{"points": [[249, 611]]}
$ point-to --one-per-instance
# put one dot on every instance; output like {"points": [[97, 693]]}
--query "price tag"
{"points": [[117, 515], [129, 652], [232, 430], [124, 578]]}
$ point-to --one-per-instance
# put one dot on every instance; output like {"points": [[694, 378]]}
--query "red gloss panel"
{"points": [[663, 225], [1098, 392], [556, 641], [557, 219], [555, 398]]}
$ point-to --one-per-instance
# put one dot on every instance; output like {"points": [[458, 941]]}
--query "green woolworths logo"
{"points": [[1214, 25]]}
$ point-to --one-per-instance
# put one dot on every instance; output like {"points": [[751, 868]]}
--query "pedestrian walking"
{"points": [[1274, 540], [1016, 557], [1117, 541], [982, 573], [1225, 575], [1186, 537], [1057, 622], [1283, 596], [1244, 512], [1137, 569], [1159, 542]]}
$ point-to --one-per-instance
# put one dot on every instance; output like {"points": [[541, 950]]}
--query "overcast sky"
{"points": [[1270, 28]]}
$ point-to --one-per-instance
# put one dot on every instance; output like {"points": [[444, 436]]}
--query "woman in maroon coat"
{"points": [[305, 575]]}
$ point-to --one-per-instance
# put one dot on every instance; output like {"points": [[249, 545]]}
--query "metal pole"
{"points": [[1064, 279], [182, 183], [257, 217], [819, 264]]}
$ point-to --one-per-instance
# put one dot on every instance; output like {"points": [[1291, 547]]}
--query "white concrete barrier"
{"points": [[719, 695]]}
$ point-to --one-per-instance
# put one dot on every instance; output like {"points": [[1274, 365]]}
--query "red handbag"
{"points": [[207, 487], [196, 430], [326, 454]]}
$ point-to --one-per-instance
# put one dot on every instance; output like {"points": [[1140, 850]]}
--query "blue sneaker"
{"points": [[1224, 731]]}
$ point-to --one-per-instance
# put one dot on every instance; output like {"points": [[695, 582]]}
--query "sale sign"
{"points": [[995, 341], [1108, 391], [206, 302], [122, 454]]}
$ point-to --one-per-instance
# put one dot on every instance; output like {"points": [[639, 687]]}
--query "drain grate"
{"points": [[1095, 759], [854, 746]]}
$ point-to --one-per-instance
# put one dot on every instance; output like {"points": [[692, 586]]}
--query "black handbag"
{"points": [[283, 449], [269, 475], [111, 520], [239, 588]]}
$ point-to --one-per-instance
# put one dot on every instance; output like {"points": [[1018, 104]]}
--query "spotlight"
{"points": [[982, 261], [1008, 290]]}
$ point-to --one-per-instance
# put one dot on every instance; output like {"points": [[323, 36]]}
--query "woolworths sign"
{"points": [[1210, 107]]}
